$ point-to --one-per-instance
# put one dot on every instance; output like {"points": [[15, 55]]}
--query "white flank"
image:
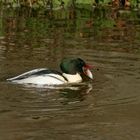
{"points": [[48, 79]]}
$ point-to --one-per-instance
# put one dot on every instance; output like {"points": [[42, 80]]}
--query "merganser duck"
{"points": [[73, 70]]}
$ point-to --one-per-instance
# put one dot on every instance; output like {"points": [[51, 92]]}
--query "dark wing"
{"points": [[35, 72]]}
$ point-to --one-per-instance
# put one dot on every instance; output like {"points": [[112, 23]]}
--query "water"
{"points": [[106, 108]]}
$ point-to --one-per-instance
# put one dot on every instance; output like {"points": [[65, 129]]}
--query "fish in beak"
{"points": [[87, 72]]}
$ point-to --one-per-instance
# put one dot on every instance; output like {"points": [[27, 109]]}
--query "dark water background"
{"points": [[107, 108]]}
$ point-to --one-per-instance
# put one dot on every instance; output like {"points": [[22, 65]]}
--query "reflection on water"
{"points": [[98, 109]]}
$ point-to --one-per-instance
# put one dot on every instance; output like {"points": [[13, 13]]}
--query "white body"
{"points": [[42, 80], [45, 79]]}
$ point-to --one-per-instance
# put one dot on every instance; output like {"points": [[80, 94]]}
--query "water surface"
{"points": [[105, 108]]}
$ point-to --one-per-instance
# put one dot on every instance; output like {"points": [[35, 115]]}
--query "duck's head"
{"points": [[73, 66]]}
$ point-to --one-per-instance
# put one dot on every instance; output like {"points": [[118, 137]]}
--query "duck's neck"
{"points": [[73, 78]]}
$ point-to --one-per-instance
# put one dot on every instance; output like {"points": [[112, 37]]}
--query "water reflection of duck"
{"points": [[75, 93], [74, 69]]}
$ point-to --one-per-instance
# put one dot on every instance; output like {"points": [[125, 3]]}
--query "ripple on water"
{"points": [[99, 109]]}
